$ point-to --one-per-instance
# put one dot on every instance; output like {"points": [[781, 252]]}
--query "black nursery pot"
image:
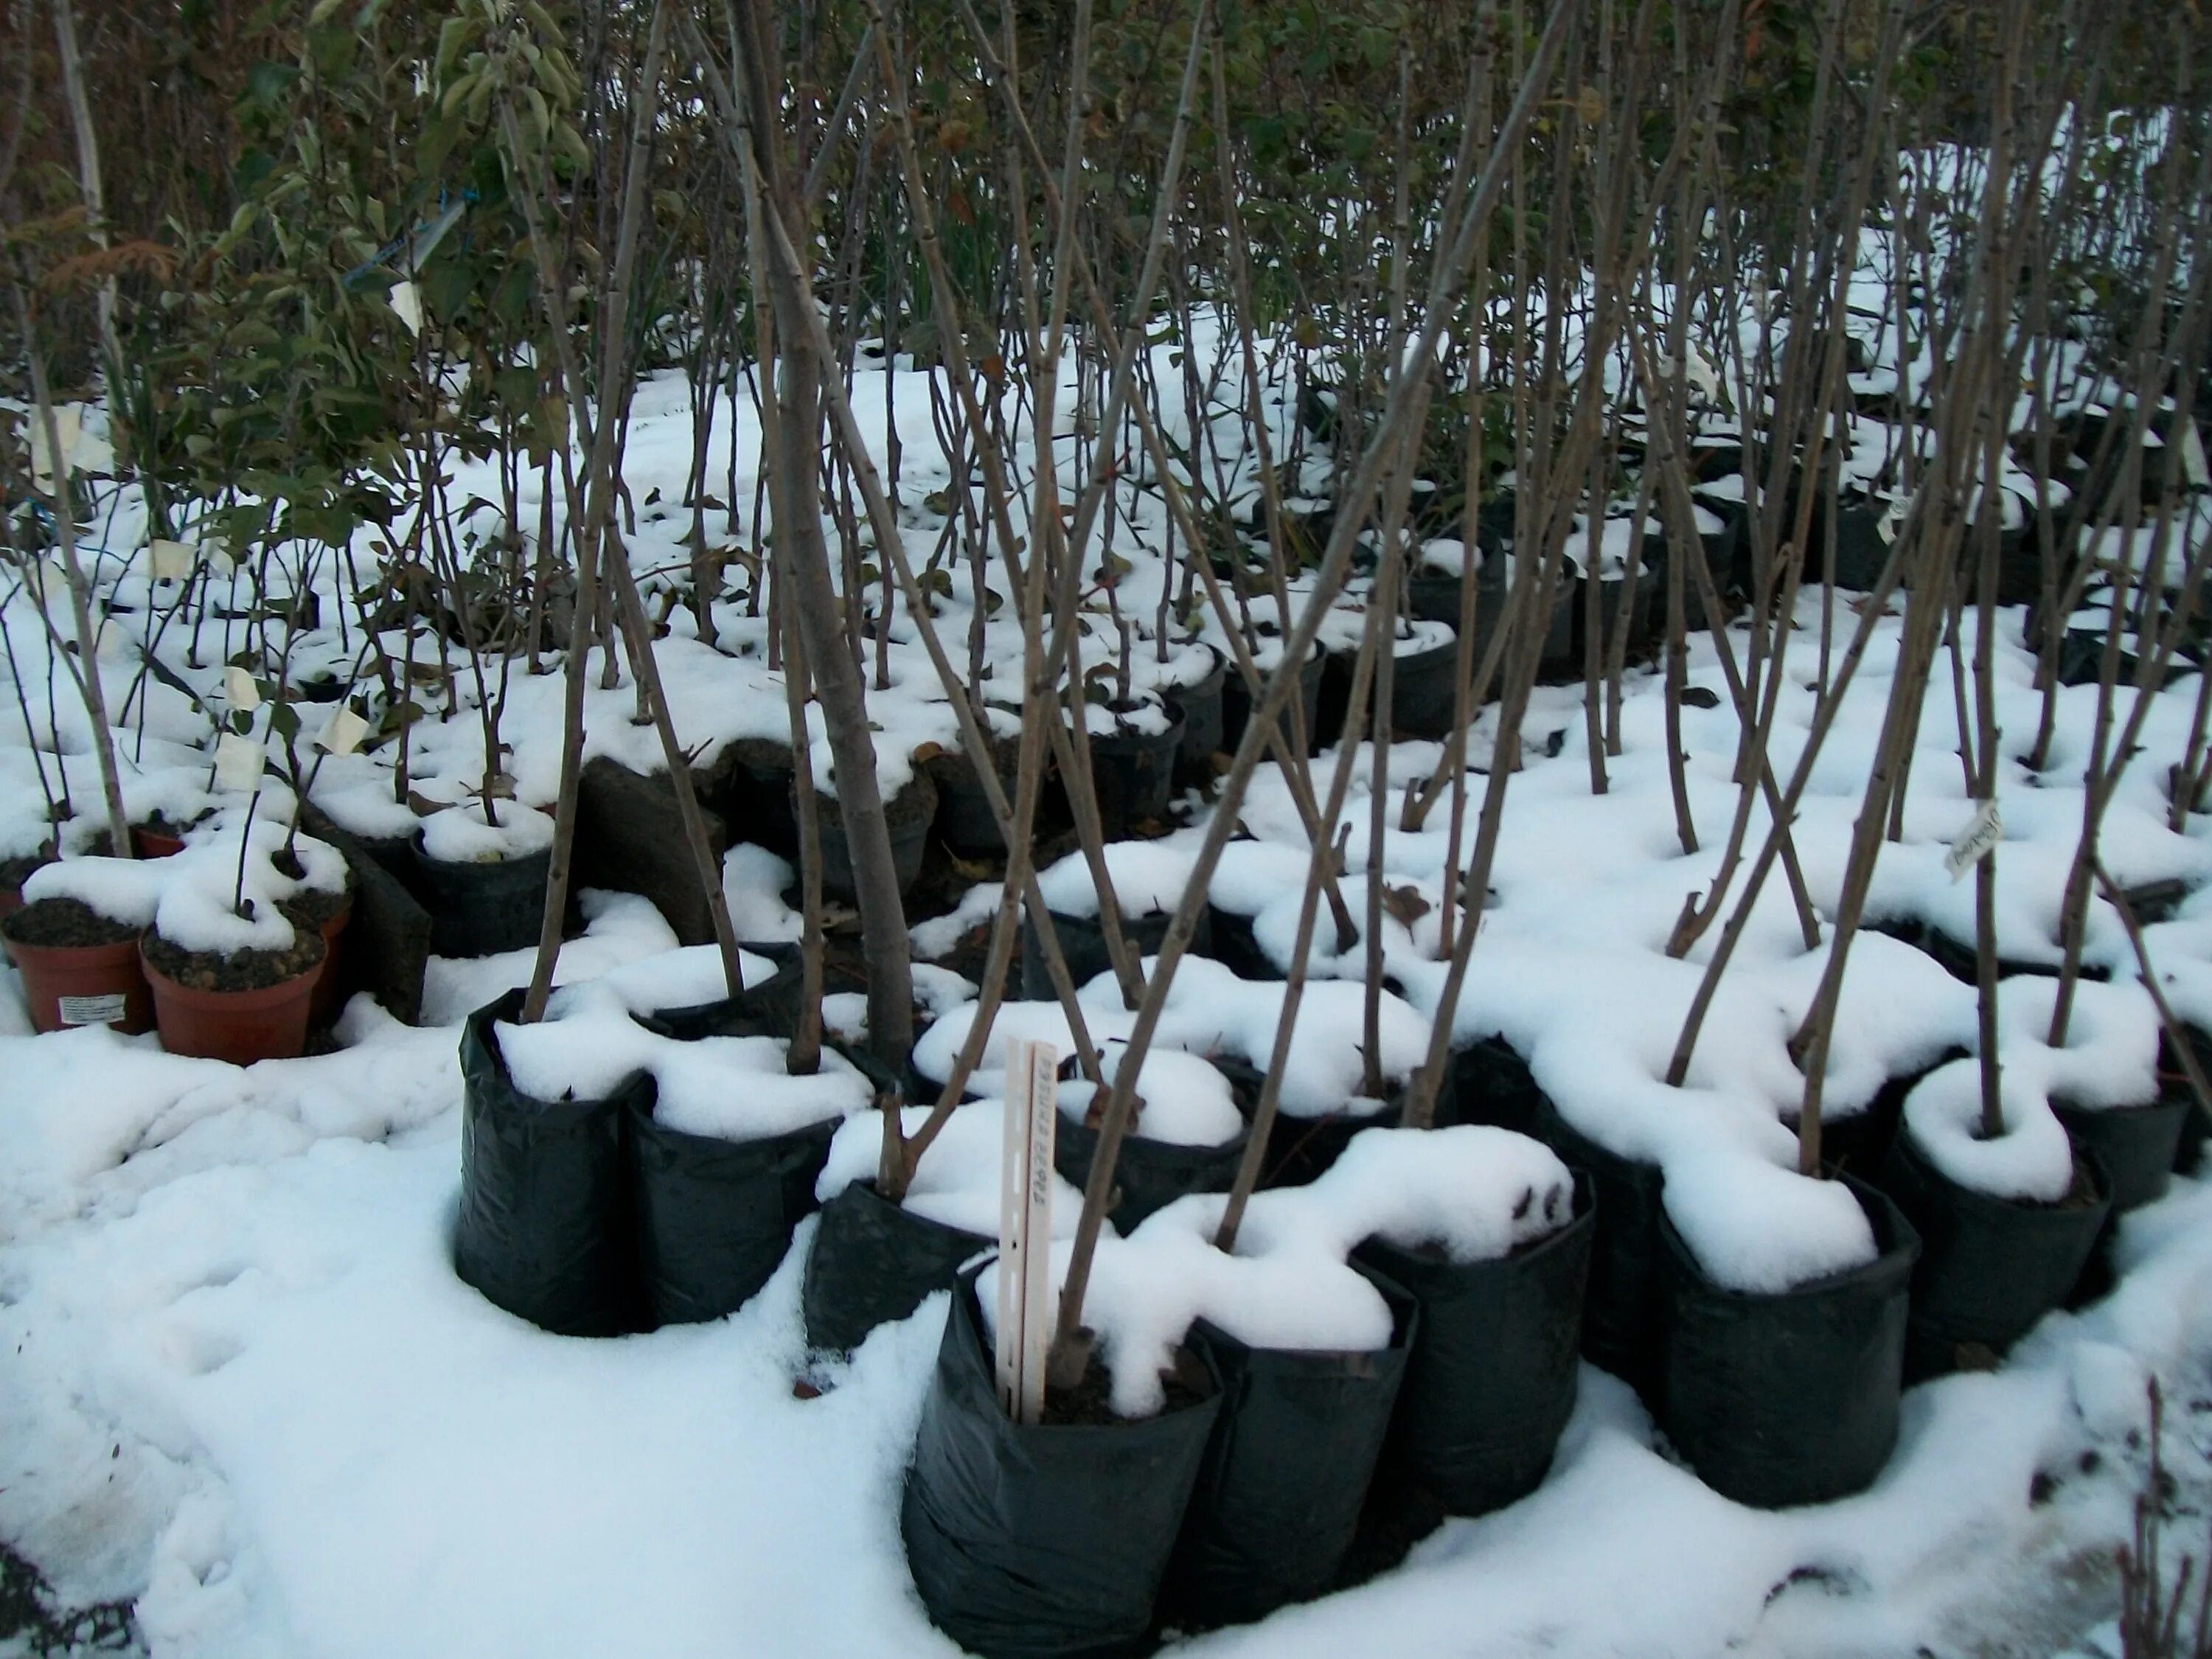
{"points": [[714, 1218], [1203, 722], [1237, 702], [1043, 1541], [2135, 1144], [909, 815], [479, 908], [1231, 943], [1133, 775], [769, 1007], [1492, 1084], [1148, 1174], [872, 1261], [1621, 1312], [1424, 690], [1300, 1149], [1286, 1471], [544, 1224], [965, 822], [1490, 1383], [1789, 1398], [1990, 1267], [1083, 943]]}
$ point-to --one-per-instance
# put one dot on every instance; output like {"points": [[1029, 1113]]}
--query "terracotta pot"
{"points": [[155, 843], [239, 1026], [84, 985], [329, 999]]}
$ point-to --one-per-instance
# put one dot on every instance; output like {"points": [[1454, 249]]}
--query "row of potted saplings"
{"points": [[1272, 1476], [82, 967]]}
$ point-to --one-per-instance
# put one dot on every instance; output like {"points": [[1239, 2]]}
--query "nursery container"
{"points": [[328, 998], [1791, 1397], [965, 822], [1148, 1174], [1230, 942], [90, 984], [630, 836], [1491, 1380], [479, 907], [2135, 1145], [769, 1007], [1237, 702], [714, 1216], [1083, 943], [148, 842], [1201, 707], [1302, 1149], [1424, 690], [1620, 1310], [268, 1022], [1492, 1084], [873, 1261], [1046, 1540], [544, 1229], [760, 805], [1990, 1267], [909, 815], [1286, 1470], [1133, 773]]}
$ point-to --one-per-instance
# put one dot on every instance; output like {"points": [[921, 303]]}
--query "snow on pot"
{"points": [[1610, 564], [873, 1261], [484, 884], [1186, 1135], [1132, 755], [2104, 1083], [1252, 876], [909, 813], [80, 964], [1785, 1305], [1046, 1540], [1490, 1235], [543, 1230], [1148, 879], [2006, 1224], [1190, 679], [1425, 679]]}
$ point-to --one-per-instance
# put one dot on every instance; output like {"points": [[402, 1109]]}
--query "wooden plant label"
{"points": [[1025, 1227], [1982, 834]]}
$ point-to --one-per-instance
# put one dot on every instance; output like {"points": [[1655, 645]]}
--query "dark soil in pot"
{"points": [[1148, 1174], [1045, 1541], [909, 815], [758, 807], [1490, 1383], [1279, 1496], [1237, 702], [714, 1216], [1133, 773], [1789, 1398], [242, 1006], [873, 1261], [544, 1229], [1620, 1310], [1083, 943], [1990, 1267], [483, 907], [78, 967], [1203, 721]]}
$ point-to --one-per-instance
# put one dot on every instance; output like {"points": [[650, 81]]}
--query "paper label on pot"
{"points": [[92, 1010], [1982, 833], [168, 561]]}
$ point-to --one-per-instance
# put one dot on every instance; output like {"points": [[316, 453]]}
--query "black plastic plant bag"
{"points": [[481, 908], [544, 1228], [1044, 1541], [1990, 1267], [768, 1008], [1490, 1382], [1148, 1174], [1620, 1309], [873, 1261], [714, 1218], [2135, 1145], [1083, 945], [1279, 1496], [1789, 1398]]}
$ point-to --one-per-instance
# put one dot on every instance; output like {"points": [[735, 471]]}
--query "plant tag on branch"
{"points": [[1892, 521], [239, 690], [110, 642], [168, 561], [343, 733], [1982, 834], [407, 306], [237, 762], [1025, 1226]]}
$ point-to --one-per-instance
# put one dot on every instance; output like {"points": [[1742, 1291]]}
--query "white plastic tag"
{"points": [[343, 733], [239, 689], [237, 762], [1982, 834], [407, 306], [168, 561]]}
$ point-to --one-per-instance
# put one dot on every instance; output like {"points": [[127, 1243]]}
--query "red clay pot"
{"points": [[328, 999], [84, 985], [239, 1026], [155, 843]]}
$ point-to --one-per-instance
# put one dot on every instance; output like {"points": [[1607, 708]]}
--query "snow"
{"points": [[2031, 1161], [957, 1184], [463, 835], [1759, 1229], [1185, 1102]]}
